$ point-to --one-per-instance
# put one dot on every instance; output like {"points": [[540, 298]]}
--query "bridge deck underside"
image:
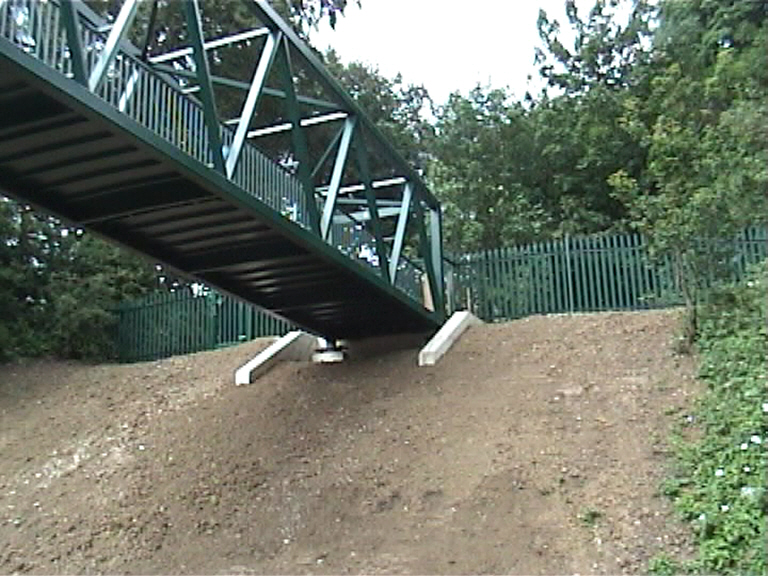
{"points": [[68, 156]]}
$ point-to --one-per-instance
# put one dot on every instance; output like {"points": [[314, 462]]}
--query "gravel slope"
{"points": [[534, 447]]}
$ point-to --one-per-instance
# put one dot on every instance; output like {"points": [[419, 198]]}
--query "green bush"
{"points": [[719, 484]]}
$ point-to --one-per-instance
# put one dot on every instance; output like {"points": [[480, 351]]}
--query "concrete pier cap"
{"points": [[447, 336]]}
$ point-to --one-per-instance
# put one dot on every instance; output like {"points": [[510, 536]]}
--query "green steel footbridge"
{"points": [[208, 137]]}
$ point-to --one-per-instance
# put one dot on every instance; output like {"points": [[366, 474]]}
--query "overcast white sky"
{"points": [[447, 45]]}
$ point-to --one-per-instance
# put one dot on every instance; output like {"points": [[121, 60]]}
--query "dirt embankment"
{"points": [[535, 446]]}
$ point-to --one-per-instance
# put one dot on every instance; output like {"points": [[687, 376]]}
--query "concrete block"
{"points": [[446, 337], [295, 345]]}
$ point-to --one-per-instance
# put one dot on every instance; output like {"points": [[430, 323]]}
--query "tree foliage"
{"points": [[59, 286], [703, 126], [484, 172]]}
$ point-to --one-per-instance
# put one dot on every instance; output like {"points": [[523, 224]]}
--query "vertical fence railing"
{"points": [[581, 274], [182, 322]]}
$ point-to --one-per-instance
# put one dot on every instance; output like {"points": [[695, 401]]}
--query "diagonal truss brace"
{"points": [[327, 153], [300, 148], [402, 224], [336, 176], [118, 32], [373, 209], [251, 101], [195, 30]]}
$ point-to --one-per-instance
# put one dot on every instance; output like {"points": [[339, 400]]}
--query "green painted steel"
{"points": [[579, 274], [129, 143]]}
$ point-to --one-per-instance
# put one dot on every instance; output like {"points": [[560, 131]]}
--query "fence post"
{"points": [[568, 272]]}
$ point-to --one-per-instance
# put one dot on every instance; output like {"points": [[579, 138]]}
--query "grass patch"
{"points": [[590, 516], [719, 479]]}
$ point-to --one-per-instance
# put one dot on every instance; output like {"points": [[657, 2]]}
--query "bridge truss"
{"points": [[207, 135]]}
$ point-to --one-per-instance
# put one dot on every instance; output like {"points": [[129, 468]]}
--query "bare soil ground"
{"points": [[536, 446]]}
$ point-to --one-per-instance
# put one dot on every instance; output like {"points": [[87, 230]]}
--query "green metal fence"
{"points": [[580, 274], [182, 322], [574, 274]]}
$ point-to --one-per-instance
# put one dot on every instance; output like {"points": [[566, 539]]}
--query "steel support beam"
{"points": [[402, 225], [210, 45], [396, 204], [436, 247], [195, 31], [373, 209], [387, 183], [244, 86], [300, 148], [362, 216], [116, 35], [327, 153], [305, 122], [71, 21], [338, 172], [252, 100], [435, 285]]}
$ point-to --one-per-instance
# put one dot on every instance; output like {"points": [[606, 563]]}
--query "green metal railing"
{"points": [[581, 274], [160, 98], [183, 322]]}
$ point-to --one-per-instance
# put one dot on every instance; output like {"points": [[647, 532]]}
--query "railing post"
{"points": [[70, 19], [568, 272]]}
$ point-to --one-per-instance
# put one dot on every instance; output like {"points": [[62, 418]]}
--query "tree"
{"points": [[703, 126], [60, 286], [485, 172], [604, 53], [580, 129]]}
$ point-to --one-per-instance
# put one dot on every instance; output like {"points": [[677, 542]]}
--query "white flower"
{"points": [[747, 469], [755, 439], [748, 491], [744, 446], [719, 472], [702, 517], [765, 407], [725, 508]]}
